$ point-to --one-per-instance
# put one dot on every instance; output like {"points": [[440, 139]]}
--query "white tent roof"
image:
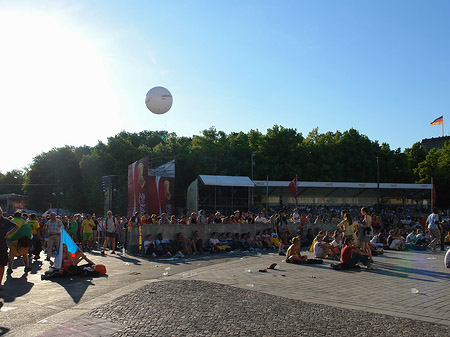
{"points": [[226, 181]]}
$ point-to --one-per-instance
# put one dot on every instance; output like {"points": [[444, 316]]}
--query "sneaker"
{"points": [[103, 252], [113, 252], [370, 266], [153, 254], [27, 269], [433, 250], [9, 271]]}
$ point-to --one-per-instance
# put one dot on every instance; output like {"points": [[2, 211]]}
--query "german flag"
{"points": [[438, 121]]}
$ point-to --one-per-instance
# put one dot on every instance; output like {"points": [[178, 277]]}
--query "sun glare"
{"points": [[53, 79]]}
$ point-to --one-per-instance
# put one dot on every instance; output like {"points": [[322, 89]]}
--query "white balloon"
{"points": [[158, 100]]}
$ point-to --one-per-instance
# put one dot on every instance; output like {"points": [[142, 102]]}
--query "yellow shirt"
{"points": [[274, 240], [87, 225], [34, 224]]}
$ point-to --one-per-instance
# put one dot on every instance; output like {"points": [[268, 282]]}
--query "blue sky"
{"points": [[76, 72]]}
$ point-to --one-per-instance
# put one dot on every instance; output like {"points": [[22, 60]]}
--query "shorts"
{"points": [[111, 235], [3, 258], [88, 236], [14, 249]]}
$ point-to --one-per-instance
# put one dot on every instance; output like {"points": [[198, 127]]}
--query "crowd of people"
{"points": [[366, 233]]}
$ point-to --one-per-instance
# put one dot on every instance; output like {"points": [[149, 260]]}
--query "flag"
{"points": [[71, 247], [438, 121], [293, 187]]}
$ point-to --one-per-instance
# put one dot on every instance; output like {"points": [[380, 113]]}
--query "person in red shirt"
{"points": [[351, 255]]}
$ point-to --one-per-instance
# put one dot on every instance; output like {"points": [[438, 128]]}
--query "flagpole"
{"points": [[442, 126], [432, 188]]}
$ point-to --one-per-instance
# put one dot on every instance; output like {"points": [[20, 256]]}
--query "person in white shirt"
{"points": [[322, 249], [296, 217], [110, 225], [261, 218], [433, 227]]}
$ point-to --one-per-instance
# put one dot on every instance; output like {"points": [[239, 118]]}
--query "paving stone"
{"points": [[199, 308]]}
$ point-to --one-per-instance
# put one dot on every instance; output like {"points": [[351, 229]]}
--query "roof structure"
{"points": [[346, 189], [232, 181]]}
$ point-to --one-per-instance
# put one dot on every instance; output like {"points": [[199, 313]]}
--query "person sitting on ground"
{"points": [[251, 241], [197, 243], [311, 248], [231, 242], [243, 242], [259, 241], [181, 245], [447, 259], [379, 240], [395, 241], [350, 256], [336, 244], [215, 244], [69, 265], [276, 243], [322, 249], [293, 254], [309, 237], [162, 246], [265, 238], [150, 246]]}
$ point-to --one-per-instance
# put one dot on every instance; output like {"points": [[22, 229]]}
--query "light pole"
{"points": [[378, 185], [252, 160]]}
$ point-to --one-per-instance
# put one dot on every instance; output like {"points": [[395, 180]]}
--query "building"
{"points": [[434, 143], [12, 202], [226, 194]]}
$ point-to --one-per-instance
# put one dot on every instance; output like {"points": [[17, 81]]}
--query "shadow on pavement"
{"points": [[405, 272], [3, 331], [16, 287], [75, 286]]}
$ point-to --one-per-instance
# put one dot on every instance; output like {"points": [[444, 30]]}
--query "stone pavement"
{"points": [[386, 290], [226, 296]]}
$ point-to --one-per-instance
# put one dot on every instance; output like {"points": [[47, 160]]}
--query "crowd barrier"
{"points": [[136, 234]]}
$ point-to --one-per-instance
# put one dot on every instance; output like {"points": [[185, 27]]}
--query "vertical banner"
{"points": [[138, 186], [192, 197], [161, 187]]}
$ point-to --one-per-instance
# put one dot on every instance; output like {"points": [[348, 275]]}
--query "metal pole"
{"points": [[252, 160], [267, 196], [378, 185]]}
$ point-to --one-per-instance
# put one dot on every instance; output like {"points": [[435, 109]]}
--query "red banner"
{"points": [[162, 192], [138, 186]]}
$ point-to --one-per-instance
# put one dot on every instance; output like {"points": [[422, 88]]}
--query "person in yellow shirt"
{"points": [[36, 240], [87, 227]]}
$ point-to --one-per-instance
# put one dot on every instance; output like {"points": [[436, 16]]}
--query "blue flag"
{"points": [[71, 247]]}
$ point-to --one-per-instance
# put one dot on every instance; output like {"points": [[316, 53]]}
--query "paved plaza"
{"points": [[226, 295]]}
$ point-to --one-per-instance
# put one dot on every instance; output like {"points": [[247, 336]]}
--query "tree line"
{"points": [[71, 176]]}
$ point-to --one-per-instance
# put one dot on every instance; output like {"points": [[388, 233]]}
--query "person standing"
{"points": [[7, 228], [35, 230], [53, 231], [20, 242], [433, 227], [110, 224], [87, 229]]}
